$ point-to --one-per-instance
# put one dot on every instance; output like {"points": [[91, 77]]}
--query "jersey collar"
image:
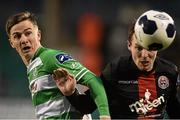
{"points": [[38, 52]]}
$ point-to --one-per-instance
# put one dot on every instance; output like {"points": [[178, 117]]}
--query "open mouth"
{"points": [[145, 63], [26, 49]]}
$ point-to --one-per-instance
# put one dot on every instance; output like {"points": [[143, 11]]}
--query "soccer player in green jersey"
{"points": [[42, 63]]}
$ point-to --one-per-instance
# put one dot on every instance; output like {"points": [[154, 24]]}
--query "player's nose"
{"points": [[144, 53], [23, 39]]}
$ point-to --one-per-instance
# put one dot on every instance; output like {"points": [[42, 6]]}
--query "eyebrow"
{"points": [[19, 32], [136, 44]]}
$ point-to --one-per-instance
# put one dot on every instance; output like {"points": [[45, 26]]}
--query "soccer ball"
{"points": [[155, 30]]}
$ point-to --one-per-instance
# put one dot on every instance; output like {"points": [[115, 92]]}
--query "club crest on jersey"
{"points": [[63, 57], [163, 82]]}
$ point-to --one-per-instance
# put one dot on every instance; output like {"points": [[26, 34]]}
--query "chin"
{"points": [[144, 69], [147, 69], [28, 54]]}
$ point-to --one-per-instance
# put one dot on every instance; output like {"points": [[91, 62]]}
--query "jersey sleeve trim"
{"points": [[81, 74]]}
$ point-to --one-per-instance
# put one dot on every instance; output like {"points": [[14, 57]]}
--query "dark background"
{"points": [[65, 25]]}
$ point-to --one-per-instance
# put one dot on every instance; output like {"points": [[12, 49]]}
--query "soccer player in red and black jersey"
{"points": [[141, 85]]}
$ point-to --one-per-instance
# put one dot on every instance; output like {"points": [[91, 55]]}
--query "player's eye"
{"points": [[27, 33], [139, 48], [17, 36]]}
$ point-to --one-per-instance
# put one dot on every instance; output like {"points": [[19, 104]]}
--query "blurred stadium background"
{"points": [[92, 31]]}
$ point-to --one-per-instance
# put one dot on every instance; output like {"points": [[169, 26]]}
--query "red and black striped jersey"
{"points": [[139, 94]]}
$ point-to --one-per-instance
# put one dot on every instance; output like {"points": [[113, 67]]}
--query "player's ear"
{"points": [[11, 43], [39, 35], [128, 44]]}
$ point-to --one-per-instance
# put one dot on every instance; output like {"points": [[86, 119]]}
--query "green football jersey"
{"points": [[49, 102]]}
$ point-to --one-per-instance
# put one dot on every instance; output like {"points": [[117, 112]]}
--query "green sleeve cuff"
{"points": [[97, 92]]}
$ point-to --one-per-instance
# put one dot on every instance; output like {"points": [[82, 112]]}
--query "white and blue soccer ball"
{"points": [[155, 30]]}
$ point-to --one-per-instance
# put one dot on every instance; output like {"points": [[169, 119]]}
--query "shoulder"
{"points": [[121, 62], [47, 52], [50, 54], [166, 65], [117, 65]]}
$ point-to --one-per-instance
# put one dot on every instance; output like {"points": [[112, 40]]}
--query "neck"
{"points": [[26, 60]]}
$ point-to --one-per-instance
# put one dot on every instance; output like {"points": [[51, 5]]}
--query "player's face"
{"points": [[25, 38], [143, 58]]}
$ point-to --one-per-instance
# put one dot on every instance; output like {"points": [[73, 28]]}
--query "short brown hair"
{"points": [[131, 31], [19, 17]]}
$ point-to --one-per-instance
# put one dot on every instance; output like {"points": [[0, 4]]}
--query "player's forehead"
{"points": [[22, 26], [134, 39]]}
